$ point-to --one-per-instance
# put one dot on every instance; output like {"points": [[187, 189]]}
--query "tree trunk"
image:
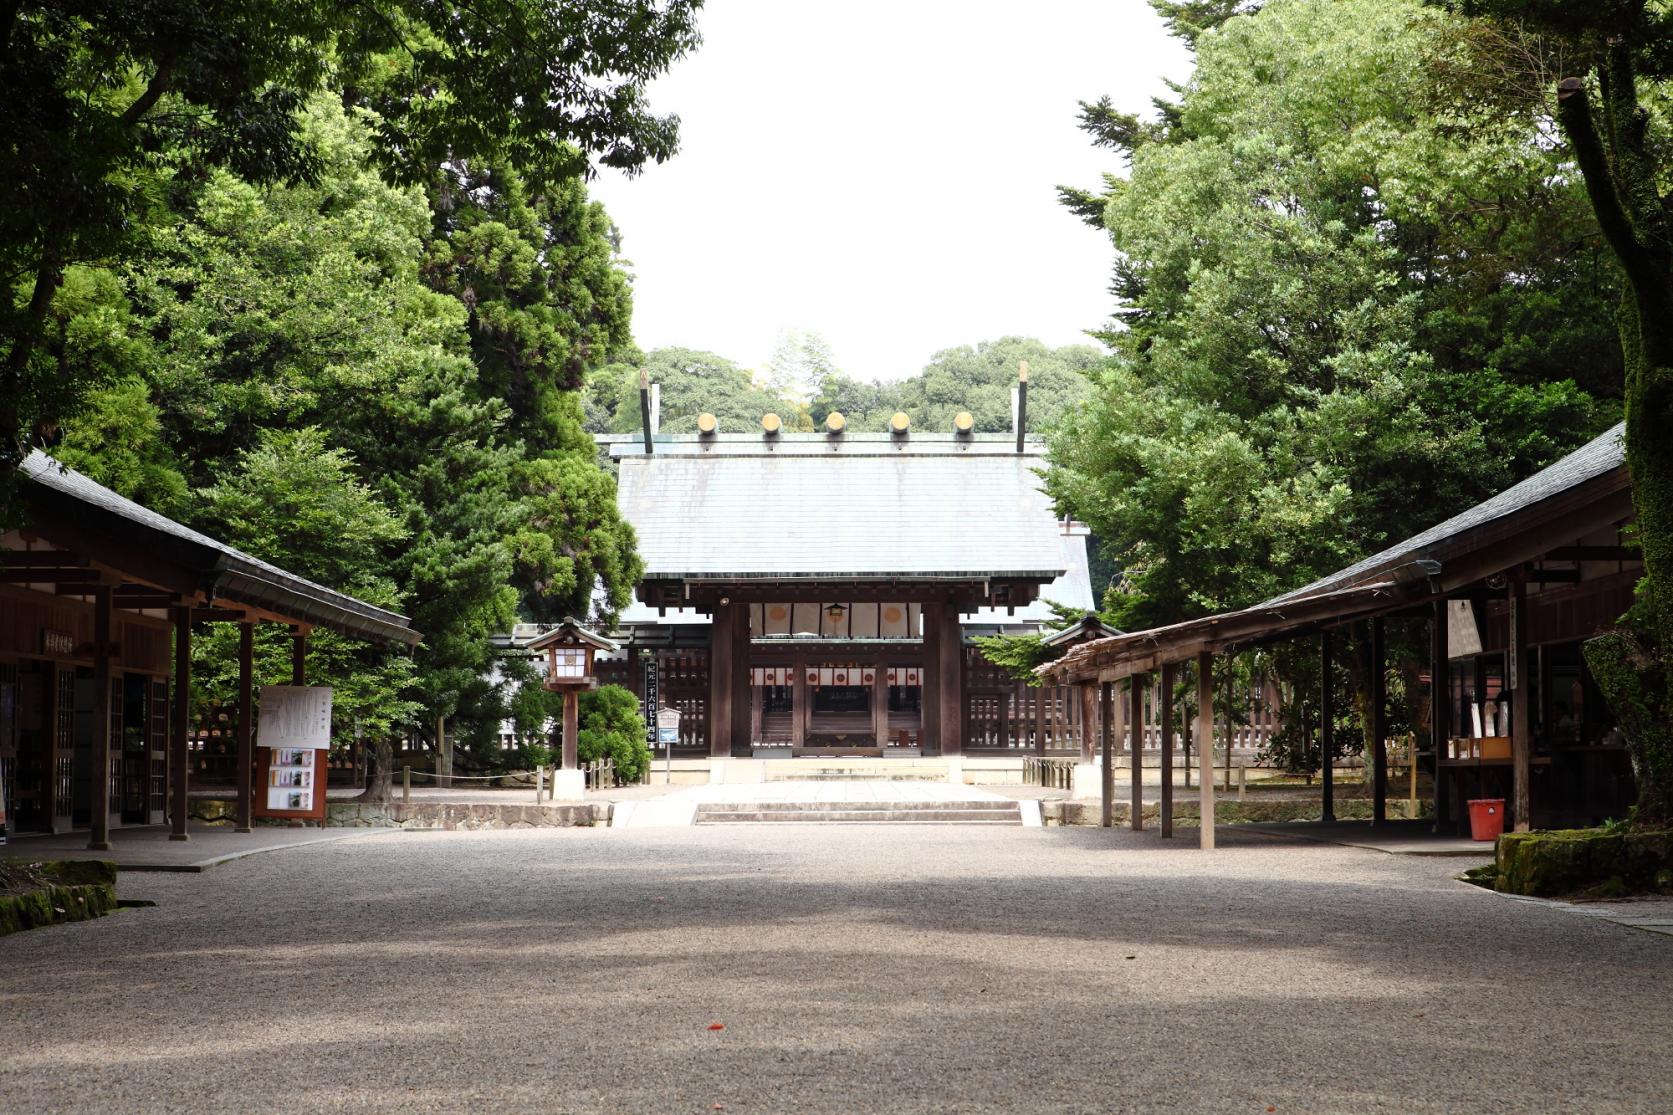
{"points": [[380, 770]]}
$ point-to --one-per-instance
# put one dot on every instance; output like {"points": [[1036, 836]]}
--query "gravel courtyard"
{"points": [[852, 968]]}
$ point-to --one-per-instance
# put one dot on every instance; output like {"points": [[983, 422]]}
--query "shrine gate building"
{"points": [[817, 593]]}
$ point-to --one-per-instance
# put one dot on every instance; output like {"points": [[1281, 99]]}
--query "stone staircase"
{"points": [[994, 812], [856, 770]]}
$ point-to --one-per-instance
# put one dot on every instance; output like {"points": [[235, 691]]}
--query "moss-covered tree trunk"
{"points": [[1609, 132]]}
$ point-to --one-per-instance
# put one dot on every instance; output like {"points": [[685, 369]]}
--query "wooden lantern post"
{"points": [[571, 651]]}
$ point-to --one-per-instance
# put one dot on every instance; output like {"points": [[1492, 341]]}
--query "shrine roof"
{"points": [[857, 507]]}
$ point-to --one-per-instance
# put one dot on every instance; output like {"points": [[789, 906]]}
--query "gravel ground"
{"points": [[865, 968]]}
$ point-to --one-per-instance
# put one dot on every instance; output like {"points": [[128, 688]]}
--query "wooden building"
{"points": [[817, 593], [1506, 593], [98, 602]]}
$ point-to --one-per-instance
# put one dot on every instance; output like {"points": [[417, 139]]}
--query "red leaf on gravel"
{"points": [[717, 1025]]}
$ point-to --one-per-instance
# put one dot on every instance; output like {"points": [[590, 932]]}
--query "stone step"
{"points": [[861, 816], [859, 776], [997, 805], [863, 812]]}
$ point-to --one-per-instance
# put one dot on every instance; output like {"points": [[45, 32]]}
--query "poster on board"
{"points": [[294, 716]]}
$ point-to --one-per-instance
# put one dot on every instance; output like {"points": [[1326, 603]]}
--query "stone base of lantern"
{"points": [[569, 785]]}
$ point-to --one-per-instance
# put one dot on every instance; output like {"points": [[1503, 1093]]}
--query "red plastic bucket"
{"points": [[1487, 818]]}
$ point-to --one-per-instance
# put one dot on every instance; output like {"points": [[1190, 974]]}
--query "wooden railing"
{"points": [[1058, 774]]}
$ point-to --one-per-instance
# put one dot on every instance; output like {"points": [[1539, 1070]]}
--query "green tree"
{"points": [[1305, 369], [108, 107], [690, 383], [295, 501], [979, 379], [1614, 110], [117, 439]]}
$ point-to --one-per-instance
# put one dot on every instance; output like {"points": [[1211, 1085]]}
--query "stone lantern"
{"points": [[570, 654]]}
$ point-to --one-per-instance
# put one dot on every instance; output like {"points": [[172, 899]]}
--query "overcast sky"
{"points": [[882, 173]]}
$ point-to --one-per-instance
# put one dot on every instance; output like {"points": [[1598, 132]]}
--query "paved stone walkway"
{"points": [[148, 847], [853, 970]]}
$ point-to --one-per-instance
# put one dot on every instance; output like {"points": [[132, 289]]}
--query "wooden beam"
{"points": [[50, 575], [180, 757], [1593, 553], [103, 745], [1205, 746], [41, 559], [1166, 764]]}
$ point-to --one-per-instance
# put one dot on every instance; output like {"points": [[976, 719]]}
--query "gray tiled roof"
{"points": [[239, 576], [908, 515], [1601, 455]]}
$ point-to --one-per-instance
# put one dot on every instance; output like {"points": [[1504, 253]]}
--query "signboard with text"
{"points": [[295, 716]]}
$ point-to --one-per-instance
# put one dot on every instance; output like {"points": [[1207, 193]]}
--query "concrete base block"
{"points": [[738, 772], [1088, 783], [569, 785], [955, 770]]}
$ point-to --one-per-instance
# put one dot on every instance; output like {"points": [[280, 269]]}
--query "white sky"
{"points": [[882, 173]]}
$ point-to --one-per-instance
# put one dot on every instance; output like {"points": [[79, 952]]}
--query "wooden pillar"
{"points": [[722, 686], [444, 755], [1440, 707], [1140, 683], [1106, 735], [246, 790], [929, 695], [1518, 667], [1166, 763], [798, 702], [1089, 723], [299, 655], [880, 703], [757, 698], [1379, 725], [1118, 719], [99, 837], [571, 745], [1327, 730], [1205, 745], [180, 757], [742, 739], [949, 680]]}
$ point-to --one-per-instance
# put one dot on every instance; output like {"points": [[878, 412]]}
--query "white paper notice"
{"points": [[294, 716]]}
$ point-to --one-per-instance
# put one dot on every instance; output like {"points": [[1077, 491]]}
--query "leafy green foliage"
{"points": [[610, 724], [975, 378], [1306, 369], [113, 109], [1614, 110]]}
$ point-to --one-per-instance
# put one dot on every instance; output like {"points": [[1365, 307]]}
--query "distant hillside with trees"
{"points": [[977, 378]]}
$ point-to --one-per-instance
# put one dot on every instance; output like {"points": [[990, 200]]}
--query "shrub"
{"points": [[611, 725]]}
